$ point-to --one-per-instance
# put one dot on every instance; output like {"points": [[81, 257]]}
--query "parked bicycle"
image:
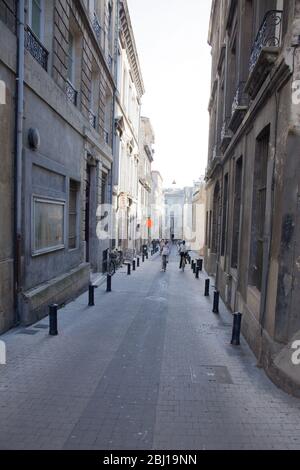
{"points": [[115, 261]]}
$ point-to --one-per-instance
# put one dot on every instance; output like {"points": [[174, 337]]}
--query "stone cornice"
{"points": [[128, 40]]}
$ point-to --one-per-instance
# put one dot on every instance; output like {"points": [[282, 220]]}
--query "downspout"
{"points": [[18, 155]]}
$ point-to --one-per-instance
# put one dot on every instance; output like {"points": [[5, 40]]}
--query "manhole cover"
{"points": [[216, 374], [27, 332]]}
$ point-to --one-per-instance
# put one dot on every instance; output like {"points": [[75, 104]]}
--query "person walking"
{"points": [[183, 251], [165, 255]]}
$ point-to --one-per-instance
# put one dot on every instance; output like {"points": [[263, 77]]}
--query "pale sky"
{"points": [[171, 38]]}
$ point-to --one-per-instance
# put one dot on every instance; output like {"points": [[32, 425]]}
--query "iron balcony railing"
{"points": [[240, 98], [97, 27], [36, 48], [269, 35], [225, 133], [71, 93], [92, 119]]}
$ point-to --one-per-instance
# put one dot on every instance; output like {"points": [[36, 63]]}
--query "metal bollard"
{"points": [[108, 283], [138, 262], [216, 302], [92, 295], [236, 329], [133, 265], [143, 258], [128, 269], [197, 272], [189, 259], [207, 283], [201, 264], [192, 264], [194, 267], [53, 320]]}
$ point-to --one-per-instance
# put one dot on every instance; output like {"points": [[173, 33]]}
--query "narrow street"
{"points": [[149, 367]]}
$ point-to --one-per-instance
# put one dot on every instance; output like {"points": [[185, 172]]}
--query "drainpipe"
{"points": [[18, 155]]}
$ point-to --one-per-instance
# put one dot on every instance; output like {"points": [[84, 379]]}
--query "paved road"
{"points": [[150, 367]]}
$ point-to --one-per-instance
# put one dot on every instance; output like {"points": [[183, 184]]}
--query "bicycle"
{"points": [[115, 261]]}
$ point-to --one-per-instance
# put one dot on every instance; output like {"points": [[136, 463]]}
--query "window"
{"points": [[104, 188], [209, 229], [237, 212], [71, 59], [109, 25], [8, 13], [216, 222], [48, 225], [73, 215], [206, 229], [36, 17], [259, 208], [225, 209]]}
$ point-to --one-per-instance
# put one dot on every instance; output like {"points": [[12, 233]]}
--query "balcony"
{"points": [[92, 119], [265, 51], [239, 107], [226, 135], [71, 93], [97, 28], [36, 48]]}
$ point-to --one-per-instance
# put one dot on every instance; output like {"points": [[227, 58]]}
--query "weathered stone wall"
{"points": [[7, 129]]}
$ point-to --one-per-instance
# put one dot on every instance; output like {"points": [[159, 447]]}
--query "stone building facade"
{"points": [[146, 156], [198, 216], [157, 205], [130, 89], [253, 173], [68, 81]]}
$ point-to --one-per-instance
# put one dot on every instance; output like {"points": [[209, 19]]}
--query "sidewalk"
{"points": [[149, 367]]}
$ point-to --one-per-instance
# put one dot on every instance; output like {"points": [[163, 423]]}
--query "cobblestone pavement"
{"points": [[149, 367]]}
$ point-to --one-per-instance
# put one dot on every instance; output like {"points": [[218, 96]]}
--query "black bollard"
{"points": [[53, 320], [92, 295], [108, 283], [197, 272], [192, 264], [201, 264], [143, 258], [194, 267], [206, 292], [236, 329], [189, 259], [128, 269], [133, 265], [216, 302], [138, 262]]}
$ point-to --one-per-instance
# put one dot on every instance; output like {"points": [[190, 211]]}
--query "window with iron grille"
{"points": [[237, 212], [259, 208]]}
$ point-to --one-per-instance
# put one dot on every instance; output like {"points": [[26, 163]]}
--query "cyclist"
{"points": [[165, 254], [183, 251]]}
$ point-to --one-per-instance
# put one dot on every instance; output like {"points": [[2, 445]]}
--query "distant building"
{"points": [[157, 205]]}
